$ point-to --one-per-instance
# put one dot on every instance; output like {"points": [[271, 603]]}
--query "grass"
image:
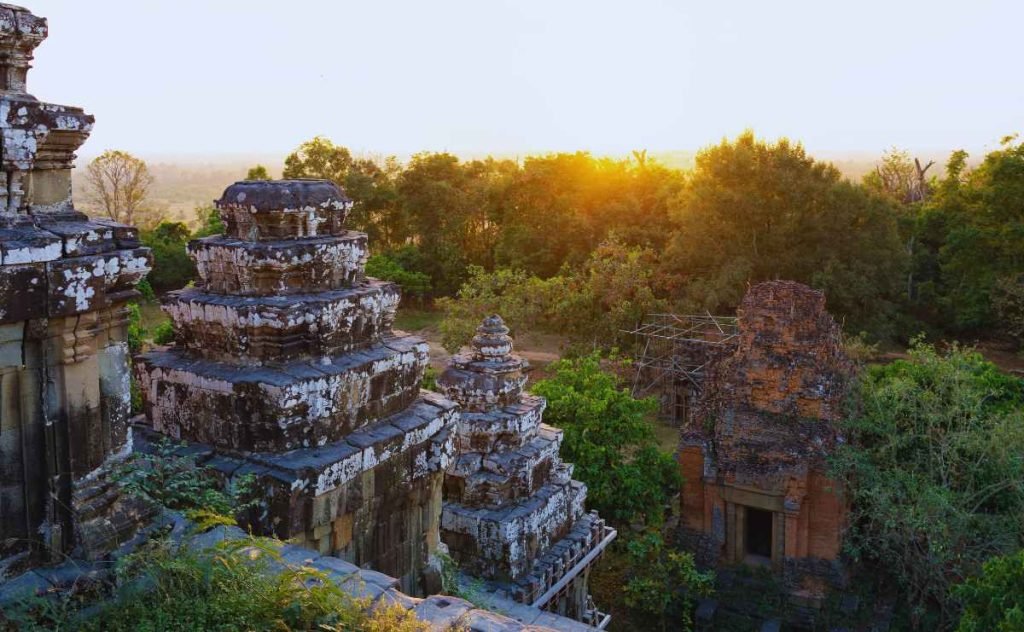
{"points": [[415, 319]]}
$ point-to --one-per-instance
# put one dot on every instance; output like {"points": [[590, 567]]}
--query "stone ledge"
{"points": [[502, 543], [508, 427], [299, 404], [232, 266], [282, 328]]}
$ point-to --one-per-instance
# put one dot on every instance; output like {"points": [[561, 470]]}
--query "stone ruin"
{"points": [[513, 515], [65, 282], [753, 453], [286, 368]]}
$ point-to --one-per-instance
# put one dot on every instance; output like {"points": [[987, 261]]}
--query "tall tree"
{"points": [[318, 158], [119, 183], [754, 211]]}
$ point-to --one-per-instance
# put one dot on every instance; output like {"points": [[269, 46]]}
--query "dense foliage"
{"points": [[609, 438], [664, 582], [935, 473], [232, 588], [994, 600]]}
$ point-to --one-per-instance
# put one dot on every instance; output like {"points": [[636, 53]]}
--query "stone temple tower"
{"points": [[285, 367], [65, 281], [513, 515]]}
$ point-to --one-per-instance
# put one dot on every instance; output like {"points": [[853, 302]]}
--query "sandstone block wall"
{"points": [[65, 281]]}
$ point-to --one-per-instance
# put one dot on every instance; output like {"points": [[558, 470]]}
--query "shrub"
{"points": [[610, 439], [934, 471]]}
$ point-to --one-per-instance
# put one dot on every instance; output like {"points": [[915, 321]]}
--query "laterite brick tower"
{"points": [[65, 282], [286, 367], [513, 515], [754, 453]]}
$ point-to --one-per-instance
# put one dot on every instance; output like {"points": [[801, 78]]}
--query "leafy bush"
{"points": [[415, 284], [232, 588], [136, 332], [177, 482], [664, 582], [610, 439], [934, 471], [172, 267], [995, 599], [163, 333]]}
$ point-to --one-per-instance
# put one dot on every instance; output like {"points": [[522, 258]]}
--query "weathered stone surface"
{"points": [[227, 265], [286, 365], [299, 404], [276, 329], [513, 515], [757, 443], [262, 210], [64, 283]]}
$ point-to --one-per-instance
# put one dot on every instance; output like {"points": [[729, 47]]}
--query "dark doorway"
{"points": [[759, 532]]}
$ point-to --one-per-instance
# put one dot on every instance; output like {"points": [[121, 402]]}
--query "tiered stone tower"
{"points": [[286, 367], [512, 513], [65, 281]]}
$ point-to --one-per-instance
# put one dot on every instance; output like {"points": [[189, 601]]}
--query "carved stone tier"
{"points": [[286, 367], [501, 429], [372, 499], [268, 210], [480, 385], [272, 329], [512, 513], [502, 543], [300, 404], [232, 266], [496, 479]]}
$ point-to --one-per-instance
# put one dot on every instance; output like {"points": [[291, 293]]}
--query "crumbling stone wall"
{"points": [[513, 515], [760, 434], [285, 366], [65, 281]]}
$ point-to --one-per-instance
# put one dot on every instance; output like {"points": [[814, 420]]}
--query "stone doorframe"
{"points": [[737, 500]]}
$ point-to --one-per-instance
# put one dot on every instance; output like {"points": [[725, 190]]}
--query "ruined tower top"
{"points": [[37, 140], [20, 33], [492, 341]]}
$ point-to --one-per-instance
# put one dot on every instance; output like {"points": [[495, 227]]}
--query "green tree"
{"points": [[172, 267], [994, 600], [983, 213], [610, 439], [318, 158], [259, 172], [755, 211], [934, 471]]}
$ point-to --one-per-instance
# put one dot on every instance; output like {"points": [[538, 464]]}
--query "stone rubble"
{"points": [[513, 515], [65, 282]]}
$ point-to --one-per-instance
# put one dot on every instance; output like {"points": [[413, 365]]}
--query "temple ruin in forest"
{"points": [[754, 446], [65, 282], [513, 515], [286, 367]]}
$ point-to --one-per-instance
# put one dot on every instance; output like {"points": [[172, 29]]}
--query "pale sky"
{"points": [[260, 76]]}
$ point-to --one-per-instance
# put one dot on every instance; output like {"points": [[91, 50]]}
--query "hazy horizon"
{"points": [[236, 79]]}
